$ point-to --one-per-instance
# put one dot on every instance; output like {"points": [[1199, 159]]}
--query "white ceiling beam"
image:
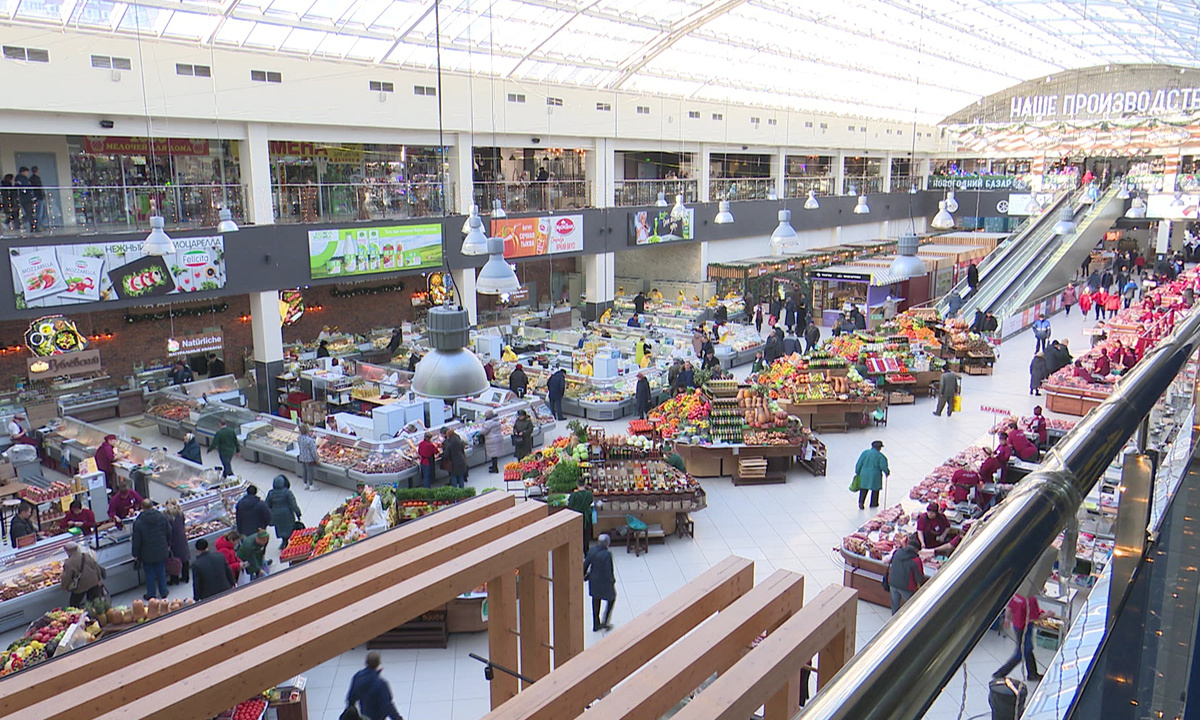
{"points": [[678, 31]]}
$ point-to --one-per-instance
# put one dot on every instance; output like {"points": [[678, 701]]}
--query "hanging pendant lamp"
{"points": [[951, 203], [907, 264], [1137, 209], [861, 208], [811, 203], [466, 228], [449, 371], [772, 195], [662, 200], [912, 189], [158, 242], [227, 224], [1066, 221], [784, 239], [724, 214], [498, 209], [496, 277], [1123, 193], [678, 210], [476, 242], [943, 220]]}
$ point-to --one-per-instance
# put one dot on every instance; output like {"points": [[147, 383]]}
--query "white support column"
{"points": [[599, 284], [254, 156], [266, 328], [601, 166], [462, 174], [779, 171], [705, 174], [464, 290], [839, 174], [887, 173]]}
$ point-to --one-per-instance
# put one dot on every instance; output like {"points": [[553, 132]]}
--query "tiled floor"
{"points": [[795, 526]]}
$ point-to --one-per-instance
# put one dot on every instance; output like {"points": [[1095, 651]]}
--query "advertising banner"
{"points": [[76, 363], [656, 226], [533, 236], [195, 344], [57, 275], [1170, 207], [976, 182], [93, 145], [351, 252]]}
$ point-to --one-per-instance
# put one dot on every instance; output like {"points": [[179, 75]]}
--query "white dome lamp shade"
{"points": [[158, 242], [772, 195], [907, 264], [1066, 221], [466, 228], [724, 214], [476, 242], [498, 209], [951, 203], [912, 189], [943, 220], [496, 277], [1137, 209], [226, 225], [784, 239], [662, 200], [678, 210], [811, 203], [1123, 193], [449, 371], [861, 208]]}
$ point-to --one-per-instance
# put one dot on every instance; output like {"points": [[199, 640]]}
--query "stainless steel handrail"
{"points": [[900, 672]]}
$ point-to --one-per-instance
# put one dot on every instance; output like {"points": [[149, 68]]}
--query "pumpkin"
{"points": [[127, 617], [139, 610], [115, 616]]}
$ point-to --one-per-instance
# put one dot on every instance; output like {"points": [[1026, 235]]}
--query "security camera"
{"points": [[107, 124], [536, 140]]}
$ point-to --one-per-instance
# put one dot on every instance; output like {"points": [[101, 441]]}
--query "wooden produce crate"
{"points": [[901, 398], [427, 631], [973, 369]]}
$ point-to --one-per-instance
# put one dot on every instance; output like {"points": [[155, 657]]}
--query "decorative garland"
{"points": [[184, 312], [378, 290]]}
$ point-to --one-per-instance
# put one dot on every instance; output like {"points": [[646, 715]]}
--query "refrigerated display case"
{"points": [[239, 418], [225, 388], [175, 413]]}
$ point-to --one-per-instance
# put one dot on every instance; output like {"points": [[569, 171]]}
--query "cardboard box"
{"points": [[8, 473], [312, 412], [41, 413]]}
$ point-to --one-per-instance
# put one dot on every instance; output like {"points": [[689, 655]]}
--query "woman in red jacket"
{"points": [[227, 546], [1021, 446]]}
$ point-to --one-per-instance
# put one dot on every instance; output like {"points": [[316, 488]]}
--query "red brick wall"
{"points": [[533, 271], [359, 314]]}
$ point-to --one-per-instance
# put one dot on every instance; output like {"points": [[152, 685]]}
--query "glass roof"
{"points": [[895, 59]]}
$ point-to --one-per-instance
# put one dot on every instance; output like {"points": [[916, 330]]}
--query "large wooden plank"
{"points": [[714, 647], [567, 569], [777, 660], [533, 586], [202, 690], [122, 680], [565, 692], [502, 636], [72, 670]]}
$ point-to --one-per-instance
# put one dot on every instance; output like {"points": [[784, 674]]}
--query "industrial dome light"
{"points": [[449, 371], [678, 210], [662, 200], [158, 242], [476, 242], [1137, 209], [784, 239], [1123, 193], [498, 209], [811, 203], [724, 214], [466, 228], [226, 225], [1066, 221], [907, 264], [496, 277], [943, 220], [951, 203], [861, 208]]}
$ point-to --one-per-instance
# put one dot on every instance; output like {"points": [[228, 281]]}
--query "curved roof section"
{"points": [[894, 59]]}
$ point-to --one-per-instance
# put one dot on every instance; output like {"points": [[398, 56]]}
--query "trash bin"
{"points": [[1007, 698]]}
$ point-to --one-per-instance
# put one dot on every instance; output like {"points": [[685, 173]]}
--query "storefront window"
{"points": [[531, 179], [641, 176], [809, 172], [121, 181], [863, 175]]}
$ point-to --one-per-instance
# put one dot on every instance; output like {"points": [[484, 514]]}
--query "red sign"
{"points": [[530, 237], [141, 146], [994, 410]]}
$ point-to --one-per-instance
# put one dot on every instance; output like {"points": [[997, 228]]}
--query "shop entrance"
{"points": [[50, 214]]}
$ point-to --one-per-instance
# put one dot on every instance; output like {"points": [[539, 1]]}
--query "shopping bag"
{"points": [[854, 484], [350, 713], [957, 403], [174, 567]]}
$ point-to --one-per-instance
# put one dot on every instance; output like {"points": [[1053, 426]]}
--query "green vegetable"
{"points": [[564, 478], [440, 494]]}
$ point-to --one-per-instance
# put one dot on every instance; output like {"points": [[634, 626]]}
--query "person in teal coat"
{"points": [[871, 468]]}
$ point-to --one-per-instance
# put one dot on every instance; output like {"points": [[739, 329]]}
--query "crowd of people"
{"points": [[23, 201]]}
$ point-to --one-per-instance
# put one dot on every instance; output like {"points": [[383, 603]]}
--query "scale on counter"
{"points": [[471, 409]]}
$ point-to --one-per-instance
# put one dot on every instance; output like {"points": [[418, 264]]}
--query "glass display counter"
{"points": [[175, 413], [239, 418], [274, 443], [91, 403], [225, 388]]}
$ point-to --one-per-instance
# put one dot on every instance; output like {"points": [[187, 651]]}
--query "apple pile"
{"points": [[54, 491], [248, 710]]}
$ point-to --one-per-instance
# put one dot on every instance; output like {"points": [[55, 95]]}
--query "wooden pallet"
{"points": [[818, 466]]}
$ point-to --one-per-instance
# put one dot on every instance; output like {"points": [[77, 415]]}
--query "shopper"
{"points": [[179, 541], [123, 502], [687, 377], [151, 547], [949, 386], [252, 551], [216, 366], [871, 468], [1100, 303], [642, 396], [905, 574], [517, 382], [105, 455], [639, 303], [22, 524], [413, 359], [79, 517], [454, 450], [211, 574], [251, 513], [426, 452], [395, 342], [1069, 297], [583, 501], [856, 317], [307, 455], [225, 443], [522, 435], [602, 582], [227, 546], [181, 373], [1037, 373], [556, 387], [285, 512], [1022, 612], [191, 449], [773, 349], [493, 439], [699, 337], [759, 364], [1041, 332], [972, 277], [82, 575], [954, 303], [791, 346], [323, 349], [758, 319], [1113, 304], [370, 692], [812, 336]]}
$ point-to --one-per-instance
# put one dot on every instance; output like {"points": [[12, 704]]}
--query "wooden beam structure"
{"points": [[256, 647], [567, 691]]}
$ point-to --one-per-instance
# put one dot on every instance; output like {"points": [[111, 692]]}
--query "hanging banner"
{"points": [[196, 344], [534, 236], [141, 146], [976, 182], [647, 227], [54, 335], [291, 306], [348, 153], [76, 363], [368, 251], [57, 275]]}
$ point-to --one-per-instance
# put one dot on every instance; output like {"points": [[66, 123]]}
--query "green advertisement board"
{"points": [[349, 252]]}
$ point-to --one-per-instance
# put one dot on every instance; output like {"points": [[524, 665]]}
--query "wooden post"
{"points": [[784, 704], [502, 638], [567, 562], [534, 595], [834, 655]]}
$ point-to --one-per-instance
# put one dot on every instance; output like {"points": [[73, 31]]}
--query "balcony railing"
{"points": [[342, 202], [799, 186], [863, 185], [117, 208], [740, 188], [904, 183], [645, 192], [535, 196]]}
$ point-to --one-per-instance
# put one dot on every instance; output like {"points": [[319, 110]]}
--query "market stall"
{"points": [[838, 288]]}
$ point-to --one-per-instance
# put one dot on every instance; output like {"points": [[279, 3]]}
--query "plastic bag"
{"points": [[957, 403], [854, 484]]}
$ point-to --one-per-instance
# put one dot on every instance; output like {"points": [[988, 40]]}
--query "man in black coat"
{"points": [[812, 336], [556, 387], [642, 396], [639, 303], [216, 366], [211, 574], [972, 276], [517, 382], [252, 513], [151, 547]]}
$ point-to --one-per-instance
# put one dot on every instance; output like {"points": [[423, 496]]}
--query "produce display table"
{"points": [[831, 415], [721, 460], [865, 575], [1070, 400]]}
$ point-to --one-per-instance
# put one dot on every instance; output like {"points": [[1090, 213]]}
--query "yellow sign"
{"points": [[347, 153]]}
